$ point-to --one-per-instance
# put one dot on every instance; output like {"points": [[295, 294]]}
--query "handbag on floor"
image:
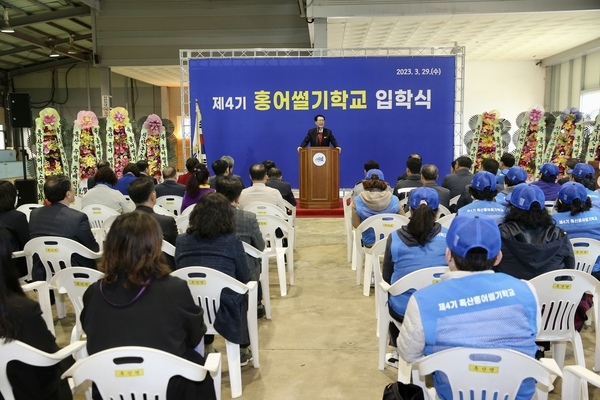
{"points": [[402, 391]]}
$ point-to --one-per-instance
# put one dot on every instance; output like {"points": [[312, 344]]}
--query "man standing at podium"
{"points": [[320, 136]]}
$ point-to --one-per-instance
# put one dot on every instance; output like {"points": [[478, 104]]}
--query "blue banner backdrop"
{"points": [[378, 108]]}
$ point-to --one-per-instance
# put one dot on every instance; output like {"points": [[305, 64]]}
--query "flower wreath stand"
{"points": [[566, 140], [120, 142], [593, 150], [531, 142], [87, 149], [153, 146], [487, 138], [50, 154]]}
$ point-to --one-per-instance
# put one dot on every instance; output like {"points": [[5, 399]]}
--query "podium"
{"points": [[319, 177]]}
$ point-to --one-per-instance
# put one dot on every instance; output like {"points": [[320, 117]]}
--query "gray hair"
{"points": [[229, 160]]}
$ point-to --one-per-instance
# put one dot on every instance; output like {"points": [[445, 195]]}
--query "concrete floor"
{"points": [[321, 342]]}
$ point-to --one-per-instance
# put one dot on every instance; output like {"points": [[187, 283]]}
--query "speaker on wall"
{"points": [[27, 191], [19, 112]]}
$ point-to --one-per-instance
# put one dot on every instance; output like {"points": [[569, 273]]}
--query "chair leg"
{"points": [[290, 263], [61, 310], [264, 281], [349, 245], [404, 371], [383, 324], [235, 370], [281, 272], [558, 353], [359, 266], [354, 251], [368, 275]]}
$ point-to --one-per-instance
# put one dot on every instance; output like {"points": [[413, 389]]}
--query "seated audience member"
{"points": [[461, 177], [169, 186], [269, 164], [575, 214], [196, 187], [531, 243], [21, 319], [91, 182], [570, 164], [483, 190], [137, 302], [547, 181], [14, 221], [104, 194], [513, 177], [259, 192], [220, 168], [58, 219], [276, 181], [509, 322], [230, 163], [375, 199], [358, 188], [487, 164], [144, 168], [507, 161], [130, 174], [413, 176], [246, 227], [404, 175], [190, 163], [429, 175], [418, 245], [211, 242], [584, 173]]}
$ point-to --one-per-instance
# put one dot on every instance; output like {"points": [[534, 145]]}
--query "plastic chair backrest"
{"points": [[266, 209], [382, 224], [163, 211], [586, 252], [572, 379], [170, 203], [183, 221], [446, 220], [268, 225], [442, 212], [134, 372], [263, 256], [26, 208], [168, 248], [16, 350], [418, 280], [188, 210], [487, 373], [454, 200], [55, 252], [97, 214]]}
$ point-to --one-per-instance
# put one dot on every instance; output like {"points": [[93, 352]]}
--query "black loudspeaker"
{"points": [[27, 191], [19, 111]]}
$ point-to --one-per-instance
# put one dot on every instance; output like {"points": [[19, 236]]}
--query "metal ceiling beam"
{"points": [[35, 46], [93, 4], [49, 16], [42, 67], [47, 45], [571, 54]]}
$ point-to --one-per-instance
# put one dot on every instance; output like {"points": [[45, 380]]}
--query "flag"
{"points": [[198, 140]]}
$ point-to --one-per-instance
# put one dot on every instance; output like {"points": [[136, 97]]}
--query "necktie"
{"points": [[320, 138]]}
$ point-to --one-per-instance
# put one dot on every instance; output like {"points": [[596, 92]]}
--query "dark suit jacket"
{"points": [[284, 188], [169, 229], [443, 193], [457, 181], [169, 188], [246, 227], [311, 137], [16, 223], [60, 220]]}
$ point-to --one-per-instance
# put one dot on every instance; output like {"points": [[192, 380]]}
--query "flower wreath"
{"points": [[50, 153], [566, 140], [593, 150], [487, 138], [153, 145], [87, 148], [120, 142], [532, 140]]}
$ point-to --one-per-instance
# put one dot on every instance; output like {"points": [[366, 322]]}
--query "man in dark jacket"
{"points": [[276, 181]]}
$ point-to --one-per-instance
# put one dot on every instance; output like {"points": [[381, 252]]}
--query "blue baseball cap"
{"points": [[549, 169], [484, 179], [377, 172], [516, 175], [424, 195], [582, 170], [524, 195], [571, 191], [470, 231]]}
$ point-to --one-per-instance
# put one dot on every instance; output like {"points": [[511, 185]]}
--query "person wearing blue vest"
{"points": [[512, 177], [483, 190], [376, 199], [419, 244], [576, 215], [472, 306], [584, 173]]}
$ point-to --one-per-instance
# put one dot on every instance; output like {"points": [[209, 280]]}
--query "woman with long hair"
{"points": [[419, 244], [197, 186], [14, 221], [137, 302], [21, 319], [531, 243]]}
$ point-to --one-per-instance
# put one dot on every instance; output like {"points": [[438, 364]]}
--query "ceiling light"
{"points": [[53, 53], [72, 49], [6, 28]]}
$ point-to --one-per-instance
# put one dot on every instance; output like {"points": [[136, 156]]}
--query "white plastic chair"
{"points": [[586, 252], [134, 372], [442, 212], [263, 256], [415, 280], [383, 225], [182, 222], [377, 253], [576, 377], [188, 210], [454, 200], [558, 299], [170, 203], [404, 192], [267, 209], [55, 254], [42, 289], [26, 208], [206, 285], [17, 350], [292, 216], [168, 248], [269, 225], [97, 214], [163, 211], [73, 282], [347, 204], [488, 373], [446, 220]]}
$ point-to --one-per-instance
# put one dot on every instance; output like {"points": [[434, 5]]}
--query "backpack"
{"points": [[402, 391]]}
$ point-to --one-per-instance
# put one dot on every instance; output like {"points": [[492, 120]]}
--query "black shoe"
{"points": [[260, 311]]}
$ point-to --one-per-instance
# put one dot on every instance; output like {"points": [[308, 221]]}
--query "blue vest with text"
{"points": [[586, 224], [364, 212], [491, 209]]}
